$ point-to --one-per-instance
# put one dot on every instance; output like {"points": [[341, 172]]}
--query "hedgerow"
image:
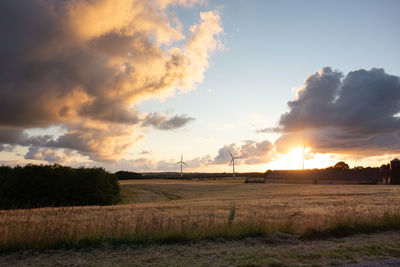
{"points": [[35, 186]]}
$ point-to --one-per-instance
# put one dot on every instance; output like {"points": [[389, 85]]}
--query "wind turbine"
{"points": [[181, 162], [233, 163]]}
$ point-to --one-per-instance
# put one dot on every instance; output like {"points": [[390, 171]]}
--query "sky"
{"points": [[134, 85]]}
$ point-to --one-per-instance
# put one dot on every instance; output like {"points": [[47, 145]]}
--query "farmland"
{"points": [[156, 213]]}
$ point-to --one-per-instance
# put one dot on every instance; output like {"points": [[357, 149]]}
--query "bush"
{"points": [[54, 185], [124, 175]]}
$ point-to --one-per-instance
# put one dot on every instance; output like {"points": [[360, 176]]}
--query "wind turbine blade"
{"points": [[185, 164], [231, 154], [230, 163], [177, 163], [182, 157]]}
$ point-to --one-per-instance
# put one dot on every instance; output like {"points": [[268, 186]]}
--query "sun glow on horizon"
{"points": [[293, 160]]}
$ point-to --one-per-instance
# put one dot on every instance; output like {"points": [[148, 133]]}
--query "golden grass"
{"points": [[227, 210]]}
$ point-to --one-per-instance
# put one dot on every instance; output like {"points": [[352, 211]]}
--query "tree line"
{"points": [[35, 186]]}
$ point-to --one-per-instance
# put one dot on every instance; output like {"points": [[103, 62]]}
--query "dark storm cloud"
{"points": [[356, 114], [162, 122], [83, 65]]}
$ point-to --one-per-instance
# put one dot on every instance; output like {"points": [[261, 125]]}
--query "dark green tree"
{"points": [[342, 166], [34, 186]]}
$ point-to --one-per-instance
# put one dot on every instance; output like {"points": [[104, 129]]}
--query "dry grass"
{"points": [[271, 250], [206, 211]]}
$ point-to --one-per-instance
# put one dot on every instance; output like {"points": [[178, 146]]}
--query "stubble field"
{"points": [[160, 215]]}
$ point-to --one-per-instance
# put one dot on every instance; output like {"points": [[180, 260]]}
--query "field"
{"points": [[266, 220]]}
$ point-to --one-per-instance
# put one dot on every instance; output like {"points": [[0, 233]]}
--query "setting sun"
{"points": [[293, 160]]}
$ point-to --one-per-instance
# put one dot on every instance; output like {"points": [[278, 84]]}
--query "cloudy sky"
{"points": [[134, 84]]}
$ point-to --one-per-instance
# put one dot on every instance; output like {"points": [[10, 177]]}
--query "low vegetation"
{"points": [[125, 175], [66, 228], [34, 186]]}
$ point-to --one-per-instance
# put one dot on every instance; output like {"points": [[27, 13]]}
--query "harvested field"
{"points": [[165, 211], [218, 195]]}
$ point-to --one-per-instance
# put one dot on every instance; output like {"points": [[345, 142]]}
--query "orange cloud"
{"points": [[83, 65]]}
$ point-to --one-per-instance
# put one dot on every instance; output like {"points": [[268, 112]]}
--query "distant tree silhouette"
{"points": [[34, 186], [342, 166], [268, 172], [385, 171], [124, 175]]}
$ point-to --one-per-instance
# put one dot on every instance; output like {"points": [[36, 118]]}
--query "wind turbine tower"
{"points": [[181, 162], [233, 163]]}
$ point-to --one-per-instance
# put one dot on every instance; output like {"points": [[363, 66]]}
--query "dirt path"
{"points": [[275, 250]]}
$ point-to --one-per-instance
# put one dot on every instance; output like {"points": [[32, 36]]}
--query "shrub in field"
{"points": [[124, 175], [54, 185]]}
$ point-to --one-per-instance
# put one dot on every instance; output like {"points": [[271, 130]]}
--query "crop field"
{"points": [[156, 212], [218, 195]]}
